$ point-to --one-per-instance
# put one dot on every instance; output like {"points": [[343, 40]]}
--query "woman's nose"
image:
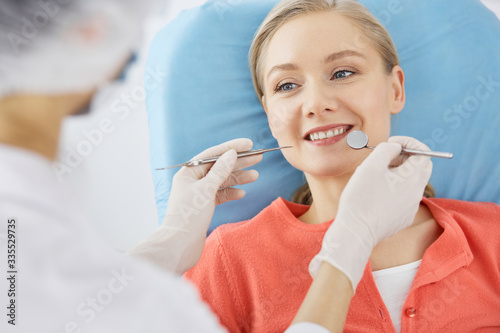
{"points": [[318, 99]]}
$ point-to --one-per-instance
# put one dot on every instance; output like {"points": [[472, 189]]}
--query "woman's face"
{"points": [[323, 79]]}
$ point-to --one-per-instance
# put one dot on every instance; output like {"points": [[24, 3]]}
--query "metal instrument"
{"points": [[359, 140], [213, 159]]}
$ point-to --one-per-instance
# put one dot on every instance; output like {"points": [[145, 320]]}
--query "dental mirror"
{"points": [[359, 140]]}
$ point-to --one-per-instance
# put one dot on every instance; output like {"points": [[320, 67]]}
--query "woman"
{"points": [[323, 69]]}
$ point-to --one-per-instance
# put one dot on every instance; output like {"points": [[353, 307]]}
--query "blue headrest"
{"points": [[204, 95]]}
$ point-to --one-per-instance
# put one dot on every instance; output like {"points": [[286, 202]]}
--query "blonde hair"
{"points": [[287, 10]]}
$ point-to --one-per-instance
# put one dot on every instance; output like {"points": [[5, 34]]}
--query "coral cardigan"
{"points": [[254, 274]]}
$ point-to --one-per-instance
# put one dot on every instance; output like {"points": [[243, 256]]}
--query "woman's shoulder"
{"points": [[276, 225], [271, 217], [479, 210], [478, 220], [234, 247]]}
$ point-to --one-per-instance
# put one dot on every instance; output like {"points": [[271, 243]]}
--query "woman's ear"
{"points": [[269, 121], [398, 96], [263, 100]]}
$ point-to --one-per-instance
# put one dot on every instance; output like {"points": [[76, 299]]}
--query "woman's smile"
{"points": [[327, 135]]}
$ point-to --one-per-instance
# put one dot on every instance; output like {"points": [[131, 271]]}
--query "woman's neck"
{"points": [[406, 246], [326, 193]]}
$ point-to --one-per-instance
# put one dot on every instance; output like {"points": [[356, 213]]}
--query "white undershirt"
{"points": [[394, 286]]}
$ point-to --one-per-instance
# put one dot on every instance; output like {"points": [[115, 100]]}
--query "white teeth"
{"points": [[329, 134]]}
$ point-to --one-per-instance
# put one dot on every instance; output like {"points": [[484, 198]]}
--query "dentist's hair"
{"points": [[66, 46], [287, 10], [19, 19]]}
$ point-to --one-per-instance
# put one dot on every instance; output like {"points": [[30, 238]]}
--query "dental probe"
{"points": [[359, 140], [215, 158]]}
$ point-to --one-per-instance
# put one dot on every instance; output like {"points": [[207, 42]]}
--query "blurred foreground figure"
{"points": [[61, 277]]}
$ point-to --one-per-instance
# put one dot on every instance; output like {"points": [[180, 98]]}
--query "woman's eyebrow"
{"points": [[332, 57], [282, 67], [342, 54]]}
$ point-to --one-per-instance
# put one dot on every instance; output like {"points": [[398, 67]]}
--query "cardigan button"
{"points": [[411, 312]]}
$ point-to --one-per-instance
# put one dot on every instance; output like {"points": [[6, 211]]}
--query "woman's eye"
{"points": [[287, 86], [344, 74]]}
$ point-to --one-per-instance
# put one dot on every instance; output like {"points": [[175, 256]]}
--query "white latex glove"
{"points": [[381, 198], [177, 245]]}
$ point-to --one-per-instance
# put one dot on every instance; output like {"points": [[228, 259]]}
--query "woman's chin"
{"points": [[328, 171], [330, 167]]}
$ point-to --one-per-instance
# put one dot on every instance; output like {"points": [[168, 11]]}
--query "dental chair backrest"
{"points": [[203, 95]]}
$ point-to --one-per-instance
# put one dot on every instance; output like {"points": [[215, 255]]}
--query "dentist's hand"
{"points": [[381, 198], [177, 245]]}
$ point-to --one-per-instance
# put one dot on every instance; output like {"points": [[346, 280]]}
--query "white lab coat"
{"points": [[67, 280]]}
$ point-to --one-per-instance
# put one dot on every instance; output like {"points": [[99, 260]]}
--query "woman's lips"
{"points": [[321, 134]]}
